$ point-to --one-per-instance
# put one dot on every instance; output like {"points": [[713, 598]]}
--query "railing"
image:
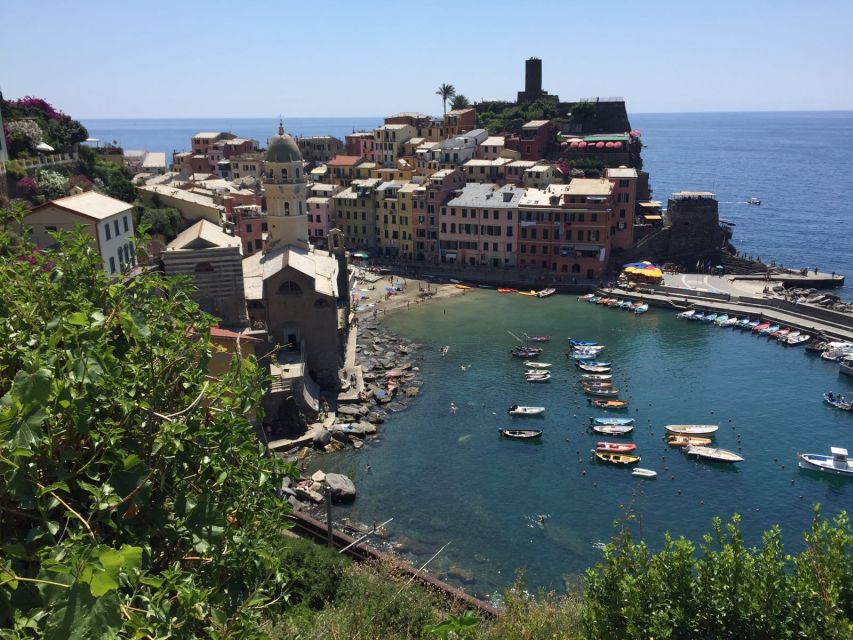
{"points": [[45, 160], [604, 99]]}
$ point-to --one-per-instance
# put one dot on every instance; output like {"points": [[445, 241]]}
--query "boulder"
{"points": [[318, 476], [349, 410], [375, 417], [321, 438], [341, 487], [367, 428], [396, 406], [412, 391]]}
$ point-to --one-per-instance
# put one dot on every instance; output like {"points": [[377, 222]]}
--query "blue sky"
{"points": [[190, 58]]}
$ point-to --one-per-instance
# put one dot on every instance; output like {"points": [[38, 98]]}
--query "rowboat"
{"points": [[615, 447], [596, 376], [743, 324], [684, 315], [594, 363], [521, 434], [791, 336], [462, 286], [759, 326], [545, 378], [613, 429], [537, 365], [590, 348], [586, 297], [837, 463], [713, 454], [615, 303], [769, 330], [616, 458], [516, 410], [591, 369], [582, 343], [778, 335], [525, 353], [606, 421], [536, 372], [593, 299], [687, 441], [604, 300], [692, 429], [596, 384], [710, 318], [584, 355], [601, 391], [640, 308], [538, 338], [838, 401], [530, 293], [697, 317], [608, 404], [644, 473], [550, 291], [506, 290], [729, 323], [721, 319]]}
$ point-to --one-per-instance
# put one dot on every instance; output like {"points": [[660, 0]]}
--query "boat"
{"points": [[596, 383], [593, 363], [607, 421], [687, 441], [593, 299], [790, 336], [778, 335], [613, 429], [838, 401], [445, 349], [743, 324], [603, 300], [615, 447], [538, 338], [583, 355], [535, 350], [608, 404], [586, 297], [530, 293], [845, 366], [816, 347], [697, 317], [462, 286], [515, 353], [537, 365], [550, 291], [601, 391], [835, 354], [769, 330], [583, 343], [545, 378], [506, 290], [640, 472], [731, 322], [753, 324], [591, 369], [798, 340], [536, 372], [721, 319], [710, 318], [516, 410], [838, 463], [692, 429], [640, 308], [453, 281], [616, 458], [521, 434], [625, 305], [685, 315], [758, 327], [714, 454], [593, 348], [753, 201], [596, 376], [615, 303]]}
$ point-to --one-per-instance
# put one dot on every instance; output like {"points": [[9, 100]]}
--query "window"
{"points": [[126, 228], [112, 264], [107, 231], [203, 267], [509, 231], [258, 243], [290, 288], [509, 248], [248, 228], [509, 215], [593, 217], [115, 226], [621, 213]]}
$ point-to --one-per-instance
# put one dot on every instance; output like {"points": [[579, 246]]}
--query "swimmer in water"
{"points": [[452, 407], [540, 518]]}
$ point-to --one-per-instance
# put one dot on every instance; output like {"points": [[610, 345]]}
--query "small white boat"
{"points": [[640, 472], [543, 378], [641, 308], [794, 341], [597, 376], [754, 201], [550, 291], [516, 410], [588, 296], [537, 365], [613, 429], [845, 366], [730, 322], [692, 429], [721, 319], [686, 314], [837, 463], [713, 454]]}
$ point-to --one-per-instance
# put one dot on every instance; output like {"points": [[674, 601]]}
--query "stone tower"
{"points": [[286, 191]]}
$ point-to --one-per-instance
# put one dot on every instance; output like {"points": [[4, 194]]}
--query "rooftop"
{"points": [[181, 194], [621, 172], [343, 161], [693, 194], [208, 135], [203, 235], [590, 187], [486, 195], [494, 141], [535, 124], [90, 204], [319, 265]]}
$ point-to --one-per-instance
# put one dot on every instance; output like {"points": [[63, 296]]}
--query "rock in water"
{"points": [[342, 488], [322, 438]]}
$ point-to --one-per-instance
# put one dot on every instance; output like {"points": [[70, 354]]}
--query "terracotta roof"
{"points": [[219, 332], [343, 161], [90, 204]]}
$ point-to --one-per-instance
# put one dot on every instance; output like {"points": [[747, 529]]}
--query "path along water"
{"points": [[448, 476]]}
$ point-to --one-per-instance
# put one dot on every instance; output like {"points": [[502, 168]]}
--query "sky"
{"points": [[193, 59]]}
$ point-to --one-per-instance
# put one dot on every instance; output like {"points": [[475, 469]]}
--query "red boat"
{"points": [[615, 447], [761, 327], [506, 290]]}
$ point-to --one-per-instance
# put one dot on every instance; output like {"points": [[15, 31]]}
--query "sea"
{"points": [[799, 164], [447, 476]]}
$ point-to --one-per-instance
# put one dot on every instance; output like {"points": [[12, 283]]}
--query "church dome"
{"points": [[282, 148]]}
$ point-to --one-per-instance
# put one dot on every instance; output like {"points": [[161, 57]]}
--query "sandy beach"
{"points": [[374, 299]]}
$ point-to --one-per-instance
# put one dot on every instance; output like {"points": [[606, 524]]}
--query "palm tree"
{"points": [[447, 92], [460, 102]]}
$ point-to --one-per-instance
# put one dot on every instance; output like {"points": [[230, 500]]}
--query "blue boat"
{"points": [[618, 422], [582, 343], [710, 318], [594, 363], [753, 324], [743, 324], [697, 317], [721, 319], [771, 329]]}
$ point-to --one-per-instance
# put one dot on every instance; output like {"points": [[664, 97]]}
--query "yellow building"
{"points": [[405, 206]]}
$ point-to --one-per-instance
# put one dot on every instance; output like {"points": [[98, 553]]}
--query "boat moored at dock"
{"points": [[838, 463], [691, 429], [714, 454]]}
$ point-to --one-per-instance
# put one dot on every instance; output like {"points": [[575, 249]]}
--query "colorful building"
{"points": [[624, 181], [427, 204], [355, 208], [388, 141]]}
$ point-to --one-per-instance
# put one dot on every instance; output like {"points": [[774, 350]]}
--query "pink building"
{"points": [[535, 140], [361, 145], [426, 206], [249, 223], [479, 226], [202, 142], [624, 181]]}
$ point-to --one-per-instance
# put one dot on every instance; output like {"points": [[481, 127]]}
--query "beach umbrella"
{"points": [[609, 145], [617, 145], [599, 145], [582, 144], [574, 144]]}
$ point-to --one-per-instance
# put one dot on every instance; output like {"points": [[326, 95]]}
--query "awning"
{"points": [[586, 247], [652, 217], [450, 254]]}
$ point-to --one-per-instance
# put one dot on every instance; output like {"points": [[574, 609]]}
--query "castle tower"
{"points": [[286, 191], [533, 78]]}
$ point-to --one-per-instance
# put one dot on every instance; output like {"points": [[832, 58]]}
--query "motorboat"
{"points": [[608, 404], [769, 330], [593, 299], [584, 355], [586, 297], [537, 365], [521, 434], [605, 301], [594, 363], [516, 410], [838, 401], [712, 317], [582, 343], [845, 366], [545, 378], [714, 454], [792, 335], [743, 324], [697, 317], [613, 429], [536, 372], [731, 322], [779, 335], [834, 353], [538, 338], [607, 421], [530, 293], [625, 305], [526, 353], [593, 369], [596, 384], [798, 340], [753, 201], [753, 324], [687, 441], [506, 290], [615, 303], [837, 463], [684, 315], [550, 291], [759, 327], [601, 392], [816, 347], [596, 376], [641, 308], [721, 319], [692, 429], [615, 447], [616, 458], [640, 472]]}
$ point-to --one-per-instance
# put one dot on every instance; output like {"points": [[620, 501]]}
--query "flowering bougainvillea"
{"points": [[27, 185], [29, 103]]}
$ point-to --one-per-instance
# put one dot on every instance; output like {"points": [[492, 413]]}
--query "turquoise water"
{"points": [[450, 477]]}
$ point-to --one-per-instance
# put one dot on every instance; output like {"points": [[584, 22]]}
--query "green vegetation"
{"points": [[460, 102], [31, 120], [112, 179], [446, 92], [166, 221], [504, 116]]}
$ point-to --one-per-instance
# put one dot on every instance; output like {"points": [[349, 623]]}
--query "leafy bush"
{"points": [[22, 135], [166, 221], [51, 184], [136, 500], [27, 186]]}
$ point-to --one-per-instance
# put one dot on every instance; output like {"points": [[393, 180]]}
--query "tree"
{"points": [[460, 102], [23, 135], [166, 221], [136, 500], [447, 92]]}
